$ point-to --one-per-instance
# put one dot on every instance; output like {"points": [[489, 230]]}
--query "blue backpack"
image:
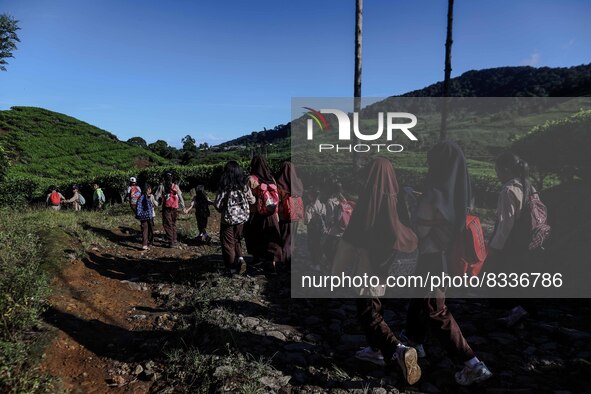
{"points": [[144, 208]]}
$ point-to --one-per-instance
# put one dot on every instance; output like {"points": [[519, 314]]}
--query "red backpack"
{"points": [[55, 198], [291, 209], [134, 195], [267, 198], [171, 200], [468, 251], [345, 210]]}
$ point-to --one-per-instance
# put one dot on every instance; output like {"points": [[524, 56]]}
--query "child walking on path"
{"points": [[133, 193], [263, 237], [172, 199], [291, 207], [376, 228], [98, 197], [145, 214], [54, 199], [315, 221], [201, 205], [233, 200], [76, 200], [441, 215]]}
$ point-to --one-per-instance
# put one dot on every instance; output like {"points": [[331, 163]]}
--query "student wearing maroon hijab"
{"points": [[262, 234], [441, 215], [290, 189], [376, 227]]}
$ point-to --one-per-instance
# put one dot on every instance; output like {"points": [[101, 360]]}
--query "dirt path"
{"points": [[119, 313], [106, 318]]}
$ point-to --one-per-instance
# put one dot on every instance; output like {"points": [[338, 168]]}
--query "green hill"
{"points": [[48, 144], [523, 81]]}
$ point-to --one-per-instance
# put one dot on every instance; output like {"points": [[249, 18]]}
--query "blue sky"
{"points": [[220, 69]]}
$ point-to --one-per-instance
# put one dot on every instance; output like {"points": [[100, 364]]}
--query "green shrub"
{"points": [[25, 287], [559, 147]]}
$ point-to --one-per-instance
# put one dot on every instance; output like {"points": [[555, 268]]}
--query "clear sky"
{"points": [[220, 69]]}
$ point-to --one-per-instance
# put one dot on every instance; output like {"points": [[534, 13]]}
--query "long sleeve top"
{"points": [[509, 206]]}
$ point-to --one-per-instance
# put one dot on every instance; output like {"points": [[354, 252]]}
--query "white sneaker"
{"points": [[407, 359], [368, 354], [478, 373], [418, 346], [145, 247]]}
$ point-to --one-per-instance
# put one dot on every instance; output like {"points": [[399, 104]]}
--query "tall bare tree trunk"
{"points": [[357, 78], [448, 43]]}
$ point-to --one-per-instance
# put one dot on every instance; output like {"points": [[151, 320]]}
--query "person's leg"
{"points": [[380, 336], [238, 248], [447, 329], [145, 232], [174, 214], [151, 232], [228, 245], [166, 223], [202, 224], [378, 333]]}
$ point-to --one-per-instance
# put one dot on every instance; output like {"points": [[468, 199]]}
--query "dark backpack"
{"points": [[531, 229], [144, 207]]}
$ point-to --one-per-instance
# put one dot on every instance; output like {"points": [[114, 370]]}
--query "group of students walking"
{"points": [[439, 219], [265, 210], [259, 207]]}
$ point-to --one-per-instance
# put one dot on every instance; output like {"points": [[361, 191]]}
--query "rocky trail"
{"points": [[170, 321]]}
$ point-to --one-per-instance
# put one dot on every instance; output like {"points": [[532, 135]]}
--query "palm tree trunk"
{"points": [[448, 43], [357, 78]]}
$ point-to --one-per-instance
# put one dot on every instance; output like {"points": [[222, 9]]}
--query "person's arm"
{"points": [[180, 194], [158, 193], [249, 196], [218, 201], [47, 199], [187, 210], [508, 207], [154, 201]]}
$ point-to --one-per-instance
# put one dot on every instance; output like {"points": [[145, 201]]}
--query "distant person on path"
{"points": [[76, 200], [291, 207], [316, 230], [508, 250], [201, 205], [133, 193], [98, 197], [54, 199], [338, 212], [263, 238], [172, 199], [375, 227], [145, 214], [441, 216], [233, 201]]}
